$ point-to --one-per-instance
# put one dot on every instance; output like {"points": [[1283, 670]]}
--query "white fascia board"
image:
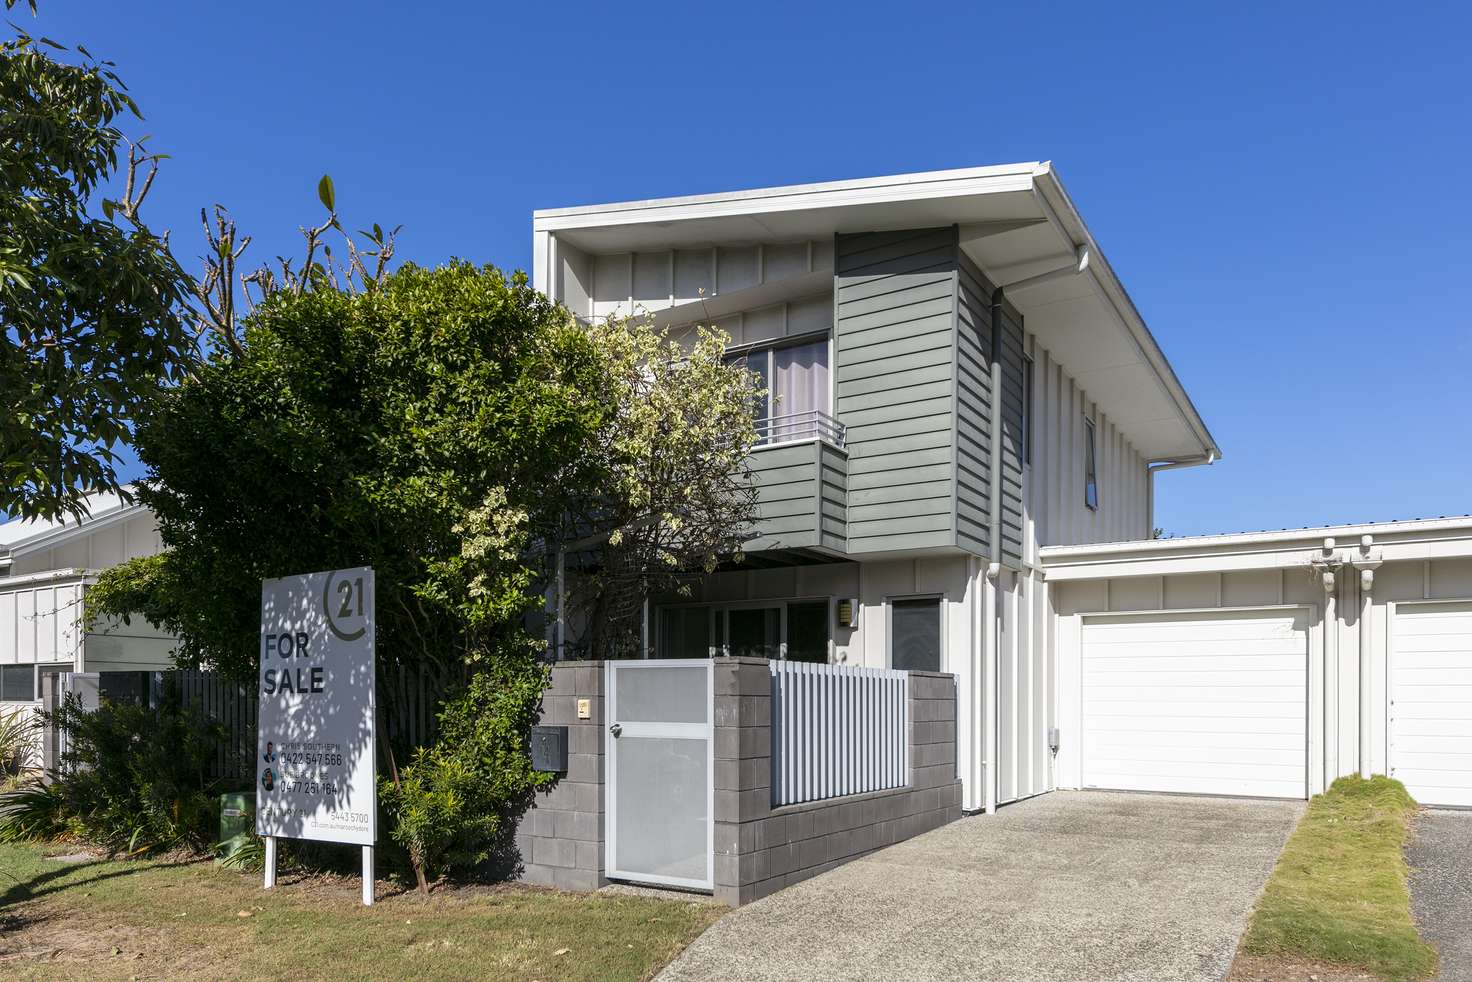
{"points": [[55, 537], [49, 576], [797, 197], [1397, 541], [1061, 209]]}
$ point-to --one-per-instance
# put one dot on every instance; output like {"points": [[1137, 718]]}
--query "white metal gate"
{"points": [[661, 772], [56, 686]]}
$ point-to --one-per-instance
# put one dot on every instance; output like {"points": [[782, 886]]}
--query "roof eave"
{"points": [[52, 538], [898, 187], [1051, 188]]}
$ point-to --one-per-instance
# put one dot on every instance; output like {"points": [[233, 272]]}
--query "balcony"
{"points": [[800, 469], [796, 427]]}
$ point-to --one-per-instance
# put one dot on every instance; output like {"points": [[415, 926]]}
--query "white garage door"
{"points": [[1197, 703], [1431, 702]]}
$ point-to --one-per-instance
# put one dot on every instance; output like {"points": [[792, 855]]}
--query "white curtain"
{"points": [[799, 388]]}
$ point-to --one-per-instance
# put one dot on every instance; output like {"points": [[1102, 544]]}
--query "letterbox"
{"points": [[549, 749]]}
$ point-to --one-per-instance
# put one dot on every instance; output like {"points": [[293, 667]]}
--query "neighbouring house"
{"points": [[45, 569], [957, 473]]}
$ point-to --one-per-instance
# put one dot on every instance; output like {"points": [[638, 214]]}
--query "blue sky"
{"points": [[1282, 187]]}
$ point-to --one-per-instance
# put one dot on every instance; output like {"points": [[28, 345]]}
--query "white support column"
{"points": [[968, 684], [1366, 562], [1326, 563], [991, 652], [270, 882]]}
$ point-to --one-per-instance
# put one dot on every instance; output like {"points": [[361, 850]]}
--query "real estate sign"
{"points": [[314, 758]]}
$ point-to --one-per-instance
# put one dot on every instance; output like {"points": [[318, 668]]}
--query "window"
{"points": [[801, 628], [17, 683], [753, 632], [797, 400], [1027, 410], [684, 632], [1091, 467], [807, 632], [914, 635]]}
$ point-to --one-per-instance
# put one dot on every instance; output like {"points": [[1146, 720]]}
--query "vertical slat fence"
{"points": [[837, 730]]}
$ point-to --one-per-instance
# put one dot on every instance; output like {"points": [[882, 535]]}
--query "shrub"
{"points": [[18, 731], [455, 804], [33, 811], [137, 779]]}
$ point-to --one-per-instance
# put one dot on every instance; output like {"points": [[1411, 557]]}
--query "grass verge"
{"points": [[1339, 893], [156, 919]]}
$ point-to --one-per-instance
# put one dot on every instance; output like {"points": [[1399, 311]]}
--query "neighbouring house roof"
{"points": [[1418, 538], [21, 536], [1015, 220]]}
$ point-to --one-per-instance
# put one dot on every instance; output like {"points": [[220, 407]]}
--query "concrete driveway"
{"points": [[1071, 885], [1440, 857]]}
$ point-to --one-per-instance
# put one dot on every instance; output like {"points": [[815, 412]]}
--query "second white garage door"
{"points": [[1431, 702], [1197, 703]]}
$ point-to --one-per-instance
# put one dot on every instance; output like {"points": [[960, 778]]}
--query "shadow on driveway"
{"points": [[1071, 885]]}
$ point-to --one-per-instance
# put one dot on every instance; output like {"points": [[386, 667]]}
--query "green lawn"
{"points": [[1339, 891], [187, 919]]}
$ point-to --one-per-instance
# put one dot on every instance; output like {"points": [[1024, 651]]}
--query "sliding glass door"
{"points": [[797, 630]]}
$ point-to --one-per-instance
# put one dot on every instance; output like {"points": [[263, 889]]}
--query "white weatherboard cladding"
{"points": [[1431, 702], [1212, 702]]}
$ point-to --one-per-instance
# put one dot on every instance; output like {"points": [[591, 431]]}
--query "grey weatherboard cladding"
{"points": [[1012, 422], [895, 316], [800, 496], [913, 385], [973, 410]]}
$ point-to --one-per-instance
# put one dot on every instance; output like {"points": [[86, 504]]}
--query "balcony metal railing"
{"points": [[799, 426]]}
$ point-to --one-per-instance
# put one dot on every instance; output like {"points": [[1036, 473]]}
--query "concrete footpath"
{"points": [[1071, 885], [1440, 857]]}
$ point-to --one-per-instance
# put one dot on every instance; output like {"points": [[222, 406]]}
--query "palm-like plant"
{"points": [[18, 731]]}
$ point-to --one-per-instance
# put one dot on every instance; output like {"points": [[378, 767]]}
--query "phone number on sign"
{"points": [[308, 787]]}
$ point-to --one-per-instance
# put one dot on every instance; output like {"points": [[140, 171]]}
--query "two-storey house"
{"points": [[957, 473], [956, 379]]}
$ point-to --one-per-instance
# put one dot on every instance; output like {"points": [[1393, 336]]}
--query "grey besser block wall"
{"points": [[560, 837], [759, 849]]}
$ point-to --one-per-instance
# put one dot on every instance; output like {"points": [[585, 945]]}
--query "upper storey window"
{"points": [[1027, 410], [1091, 466], [799, 391]]}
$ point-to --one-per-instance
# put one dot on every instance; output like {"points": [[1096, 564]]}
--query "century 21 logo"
{"points": [[343, 603]]}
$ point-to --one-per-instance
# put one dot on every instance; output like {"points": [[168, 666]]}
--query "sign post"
{"points": [[315, 774]]}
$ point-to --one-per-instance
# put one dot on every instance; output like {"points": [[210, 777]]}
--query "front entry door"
{"points": [[661, 772]]}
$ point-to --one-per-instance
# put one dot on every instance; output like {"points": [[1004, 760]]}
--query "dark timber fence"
{"points": [[410, 721]]}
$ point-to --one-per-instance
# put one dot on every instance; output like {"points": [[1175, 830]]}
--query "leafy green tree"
{"points": [[676, 495], [427, 428], [92, 303], [367, 429]]}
